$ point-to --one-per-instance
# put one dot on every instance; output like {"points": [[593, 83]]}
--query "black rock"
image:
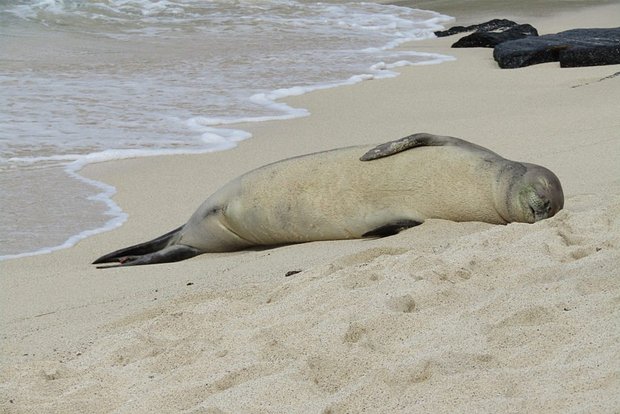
{"points": [[590, 56], [492, 39], [572, 48], [495, 24]]}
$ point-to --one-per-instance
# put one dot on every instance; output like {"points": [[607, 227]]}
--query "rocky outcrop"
{"points": [[492, 39], [518, 45], [491, 25], [572, 48]]}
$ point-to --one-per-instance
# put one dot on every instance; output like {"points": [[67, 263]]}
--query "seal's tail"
{"points": [[159, 250]]}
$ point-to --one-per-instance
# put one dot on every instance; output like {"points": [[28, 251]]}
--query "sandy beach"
{"points": [[442, 318]]}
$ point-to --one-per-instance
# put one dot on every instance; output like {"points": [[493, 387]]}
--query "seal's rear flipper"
{"points": [[174, 253], [392, 228], [150, 248]]}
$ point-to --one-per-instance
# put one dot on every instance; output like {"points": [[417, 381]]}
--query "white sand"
{"points": [[446, 317]]}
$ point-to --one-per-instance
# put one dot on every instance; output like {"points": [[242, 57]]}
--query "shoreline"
{"points": [[458, 309], [238, 135]]}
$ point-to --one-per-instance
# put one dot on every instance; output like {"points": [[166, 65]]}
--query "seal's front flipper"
{"points": [[414, 141], [169, 254], [392, 228]]}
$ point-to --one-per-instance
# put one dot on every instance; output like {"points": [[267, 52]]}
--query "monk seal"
{"points": [[354, 192]]}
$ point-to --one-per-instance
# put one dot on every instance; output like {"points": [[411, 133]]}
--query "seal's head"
{"points": [[539, 194]]}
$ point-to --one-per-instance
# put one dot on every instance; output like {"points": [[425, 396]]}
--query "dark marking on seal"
{"points": [[214, 211]]}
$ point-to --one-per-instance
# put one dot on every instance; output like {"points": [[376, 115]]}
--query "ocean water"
{"points": [[88, 81]]}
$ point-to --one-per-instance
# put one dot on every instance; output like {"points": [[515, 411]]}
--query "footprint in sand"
{"points": [[405, 304]]}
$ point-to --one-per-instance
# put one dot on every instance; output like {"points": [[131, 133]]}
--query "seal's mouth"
{"points": [[540, 215], [541, 212]]}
